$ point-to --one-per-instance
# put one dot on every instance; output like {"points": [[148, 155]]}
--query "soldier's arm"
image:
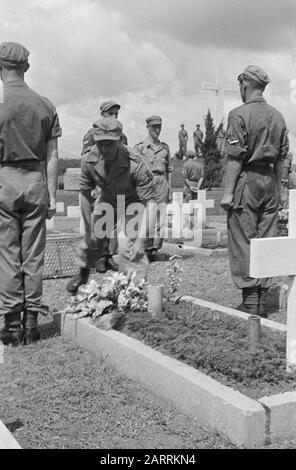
{"points": [[279, 164], [236, 152], [52, 163]]}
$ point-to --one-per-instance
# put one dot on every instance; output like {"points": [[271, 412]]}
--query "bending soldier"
{"points": [[120, 173]]}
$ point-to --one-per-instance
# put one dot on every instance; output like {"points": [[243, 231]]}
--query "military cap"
{"points": [[13, 55], [108, 105], [154, 120], [107, 129], [255, 73]]}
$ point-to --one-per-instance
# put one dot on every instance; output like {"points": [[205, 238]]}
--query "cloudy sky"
{"points": [[152, 56]]}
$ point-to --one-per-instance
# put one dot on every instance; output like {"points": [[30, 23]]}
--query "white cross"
{"points": [[220, 91], [272, 257], [181, 216], [205, 203]]}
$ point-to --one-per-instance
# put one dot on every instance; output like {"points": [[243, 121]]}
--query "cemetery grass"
{"points": [[54, 395], [217, 345]]}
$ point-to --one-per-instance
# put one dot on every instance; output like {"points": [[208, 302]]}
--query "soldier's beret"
{"points": [[253, 72], [108, 105], [154, 120], [107, 129], [13, 55]]}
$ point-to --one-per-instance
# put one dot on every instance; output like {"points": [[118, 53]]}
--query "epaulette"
{"points": [[164, 144]]}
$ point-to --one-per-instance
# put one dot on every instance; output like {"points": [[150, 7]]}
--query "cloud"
{"points": [[235, 24], [79, 50]]}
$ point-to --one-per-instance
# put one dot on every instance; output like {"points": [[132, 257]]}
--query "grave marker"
{"points": [[271, 257]]}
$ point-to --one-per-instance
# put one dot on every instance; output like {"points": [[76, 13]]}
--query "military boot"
{"points": [[262, 308], [12, 332], [250, 301], [151, 255], [101, 265], [77, 281], [30, 327], [110, 264]]}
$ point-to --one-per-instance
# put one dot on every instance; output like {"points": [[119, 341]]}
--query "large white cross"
{"points": [[220, 91], [271, 257]]}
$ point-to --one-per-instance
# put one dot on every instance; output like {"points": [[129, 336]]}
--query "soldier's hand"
{"points": [[227, 201], [51, 210]]}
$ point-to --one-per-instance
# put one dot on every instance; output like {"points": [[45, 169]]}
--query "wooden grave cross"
{"points": [[220, 91], [271, 257]]}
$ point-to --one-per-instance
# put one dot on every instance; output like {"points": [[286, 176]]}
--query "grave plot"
{"points": [[55, 395]]}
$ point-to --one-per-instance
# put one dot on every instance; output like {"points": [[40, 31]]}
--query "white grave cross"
{"points": [[220, 90], [205, 203], [271, 257]]}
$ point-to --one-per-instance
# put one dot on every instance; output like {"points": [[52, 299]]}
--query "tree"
{"points": [[212, 157]]}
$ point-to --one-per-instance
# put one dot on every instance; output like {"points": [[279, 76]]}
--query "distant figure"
{"points": [[256, 147], [183, 138], [197, 140], [193, 177]]}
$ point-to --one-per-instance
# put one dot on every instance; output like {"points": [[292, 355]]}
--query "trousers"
{"points": [[125, 235], [23, 207], [253, 215]]}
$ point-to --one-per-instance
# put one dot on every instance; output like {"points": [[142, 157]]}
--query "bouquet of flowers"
{"points": [[118, 292]]}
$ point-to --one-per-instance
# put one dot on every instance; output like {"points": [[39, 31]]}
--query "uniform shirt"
{"points": [[183, 135], [27, 122], [128, 176], [156, 156], [256, 131], [88, 141], [197, 136], [192, 170]]}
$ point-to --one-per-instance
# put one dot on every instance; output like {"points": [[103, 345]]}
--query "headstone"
{"points": [[60, 207], [206, 204], [177, 198], [73, 211], [272, 257]]}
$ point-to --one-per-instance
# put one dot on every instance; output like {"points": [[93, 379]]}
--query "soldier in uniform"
{"points": [[183, 138], [256, 147], [193, 177], [29, 128], [197, 140], [117, 171], [108, 109], [156, 155]]}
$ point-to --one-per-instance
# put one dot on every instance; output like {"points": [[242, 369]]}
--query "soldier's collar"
{"points": [[92, 156], [259, 99], [149, 141]]}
